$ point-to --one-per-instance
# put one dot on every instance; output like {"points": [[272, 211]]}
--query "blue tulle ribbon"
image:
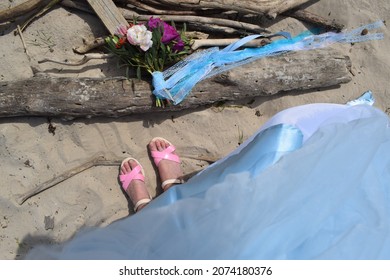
{"points": [[176, 82], [367, 98]]}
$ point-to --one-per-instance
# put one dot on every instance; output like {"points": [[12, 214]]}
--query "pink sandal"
{"points": [[136, 173], [166, 154]]}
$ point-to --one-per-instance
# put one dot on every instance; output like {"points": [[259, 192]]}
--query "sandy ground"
{"points": [[31, 155]]}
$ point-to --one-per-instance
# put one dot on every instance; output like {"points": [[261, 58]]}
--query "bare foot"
{"points": [[169, 166], [136, 190]]}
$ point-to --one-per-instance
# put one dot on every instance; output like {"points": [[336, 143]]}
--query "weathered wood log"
{"points": [[270, 8], [200, 20], [317, 20], [21, 9], [172, 11], [108, 13], [72, 98]]}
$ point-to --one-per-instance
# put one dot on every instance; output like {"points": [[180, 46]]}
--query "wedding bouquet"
{"points": [[151, 46]]}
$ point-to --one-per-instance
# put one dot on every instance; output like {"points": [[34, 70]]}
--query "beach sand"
{"points": [[31, 155]]}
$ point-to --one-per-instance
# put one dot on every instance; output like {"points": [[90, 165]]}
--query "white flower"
{"points": [[138, 35]]}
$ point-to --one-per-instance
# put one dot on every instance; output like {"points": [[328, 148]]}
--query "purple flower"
{"points": [[154, 22], [170, 34], [179, 46]]}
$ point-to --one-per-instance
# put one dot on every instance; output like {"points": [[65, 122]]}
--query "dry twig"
{"points": [[99, 159], [200, 21], [41, 12], [265, 7], [85, 59], [224, 42], [154, 10], [23, 41], [89, 45]]}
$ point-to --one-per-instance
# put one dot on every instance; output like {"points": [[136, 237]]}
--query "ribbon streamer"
{"points": [[176, 82]]}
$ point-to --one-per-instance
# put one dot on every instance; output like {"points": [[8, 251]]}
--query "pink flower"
{"points": [[138, 35], [121, 30]]}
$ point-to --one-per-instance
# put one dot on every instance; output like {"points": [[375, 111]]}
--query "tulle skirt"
{"points": [[312, 183]]}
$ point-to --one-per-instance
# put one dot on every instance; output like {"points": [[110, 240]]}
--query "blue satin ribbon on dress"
{"points": [[266, 148], [278, 137], [176, 83]]}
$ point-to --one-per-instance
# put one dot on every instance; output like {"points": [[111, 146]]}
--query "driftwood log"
{"points": [[73, 98], [267, 7], [21, 9], [270, 8]]}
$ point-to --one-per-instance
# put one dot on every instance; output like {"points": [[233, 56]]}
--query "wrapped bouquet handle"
{"points": [[176, 82]]}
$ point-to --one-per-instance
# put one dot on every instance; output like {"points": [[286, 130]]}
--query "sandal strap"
{"points": [[135, 174], [165, 154], [141, 202], [171, 181]]}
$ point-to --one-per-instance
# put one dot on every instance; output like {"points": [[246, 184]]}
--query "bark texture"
{"points": [[72, 98]]}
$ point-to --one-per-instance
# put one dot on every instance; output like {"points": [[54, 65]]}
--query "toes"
{"points": [[162, 145], [165, 144], [159, 145], [152, 146], [132, 164], [128, 166], [125, 167]]}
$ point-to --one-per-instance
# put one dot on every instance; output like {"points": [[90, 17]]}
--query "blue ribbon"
{"points": [[176, 82]]}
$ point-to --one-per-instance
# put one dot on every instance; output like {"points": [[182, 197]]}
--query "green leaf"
{"points": [[163, 48], [139, 72], [135, 19], [149, 60], [161, 63], [164, 56], [158, 102], [127, 72]]}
